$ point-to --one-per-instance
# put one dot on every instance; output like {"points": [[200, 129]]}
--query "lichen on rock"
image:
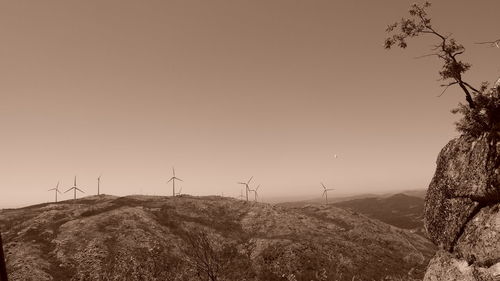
{"points": [[480, 242]]}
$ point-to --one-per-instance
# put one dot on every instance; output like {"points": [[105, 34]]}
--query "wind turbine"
{"points": [[74, 188], [255, 193], [246, 186], [56, 190], [325, 192], [173, 181]]}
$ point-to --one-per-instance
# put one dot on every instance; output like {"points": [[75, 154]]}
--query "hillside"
{"points": [[400, 210], [204, 238]]}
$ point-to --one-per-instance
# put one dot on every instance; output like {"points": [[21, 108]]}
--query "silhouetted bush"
{"points": [[215, 260], [303, 262]]}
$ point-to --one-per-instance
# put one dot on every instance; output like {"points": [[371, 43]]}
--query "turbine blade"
{"points": [[68, 190], [173, 171], [75, 180], [80, 190], [324, 192], [170, 180], [248, 182], [57, 185], [323, 185], [51, 189], [178, 179]]}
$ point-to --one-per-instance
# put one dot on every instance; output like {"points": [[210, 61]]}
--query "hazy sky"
{"points": [[225, 90]]}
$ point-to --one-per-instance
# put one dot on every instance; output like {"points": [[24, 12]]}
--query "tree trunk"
{"points": [[3, 270], [467, 94]]}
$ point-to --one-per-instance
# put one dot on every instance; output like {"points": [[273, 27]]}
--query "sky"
{"points": [[226, 90]]}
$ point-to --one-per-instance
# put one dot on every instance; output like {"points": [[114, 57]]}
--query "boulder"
{"points": [[480, 242], [445, 267], [466, 179]]}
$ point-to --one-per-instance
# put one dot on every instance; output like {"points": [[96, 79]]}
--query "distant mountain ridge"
{"points": [[404, 210], [400, 210], [162, 238]]}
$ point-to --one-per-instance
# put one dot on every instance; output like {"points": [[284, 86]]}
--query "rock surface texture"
{"points": [[462, 211]]}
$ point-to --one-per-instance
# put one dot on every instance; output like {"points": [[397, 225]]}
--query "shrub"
{"points": [[484, 117]]}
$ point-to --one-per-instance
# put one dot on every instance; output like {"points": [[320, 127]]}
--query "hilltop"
{"points": [[200, 238]]}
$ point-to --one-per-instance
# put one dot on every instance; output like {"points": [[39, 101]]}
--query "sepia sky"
{"points": [[225, 90]]}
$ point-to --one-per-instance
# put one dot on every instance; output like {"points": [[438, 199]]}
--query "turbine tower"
{"points": [[99, 185], [325, 192], [56, 190], [246, 186], [74, 188], [173, 178], [255, 192]]}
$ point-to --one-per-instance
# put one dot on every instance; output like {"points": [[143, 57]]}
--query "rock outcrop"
{"points": [[462, 211]]}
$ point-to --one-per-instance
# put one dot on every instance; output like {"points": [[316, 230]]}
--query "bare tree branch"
{"points": [[472, 88], [495, 43], [446, 87], [425, 56]]}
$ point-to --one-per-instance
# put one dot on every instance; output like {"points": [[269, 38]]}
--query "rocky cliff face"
{"points": [[462, 211]]}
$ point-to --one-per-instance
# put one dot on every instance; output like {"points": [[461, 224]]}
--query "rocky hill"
{"points": [[462, 211], [204, 238]]}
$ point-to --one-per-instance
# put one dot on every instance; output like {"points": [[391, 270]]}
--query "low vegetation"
{"points": [[204, 238]]}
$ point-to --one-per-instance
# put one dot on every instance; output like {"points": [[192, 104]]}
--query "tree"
{"points": [[482, 112], [447, 49]]}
